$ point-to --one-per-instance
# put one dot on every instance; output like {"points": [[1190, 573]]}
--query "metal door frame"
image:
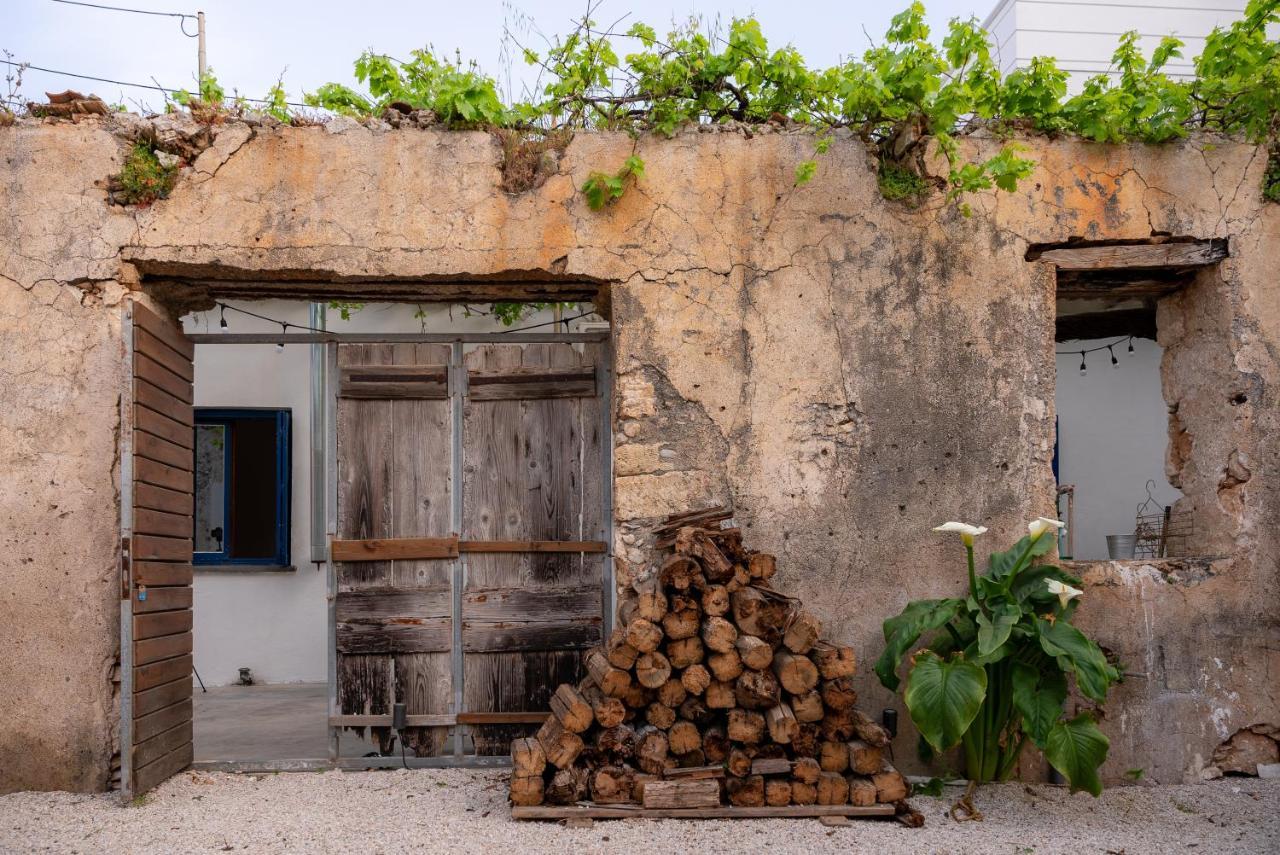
{"points": [[126, 559]]}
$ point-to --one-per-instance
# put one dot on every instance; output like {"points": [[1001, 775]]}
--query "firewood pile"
{"points": [[714, 689]]}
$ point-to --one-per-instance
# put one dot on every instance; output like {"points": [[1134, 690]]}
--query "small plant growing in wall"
{"points": [[602, 189], [994, 670], [144, 178]]}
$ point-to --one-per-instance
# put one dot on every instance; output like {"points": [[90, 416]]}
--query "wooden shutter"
{"points": [[156, 731]]}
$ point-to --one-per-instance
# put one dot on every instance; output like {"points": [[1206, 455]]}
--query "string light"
{"points": [[1109, 347], [284, 325]]}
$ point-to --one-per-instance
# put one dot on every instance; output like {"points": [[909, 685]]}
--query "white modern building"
{"points": [[1082, 34]]}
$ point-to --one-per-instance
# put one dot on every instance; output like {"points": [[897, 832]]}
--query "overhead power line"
{"points": [[156, 88], [123, 9]]}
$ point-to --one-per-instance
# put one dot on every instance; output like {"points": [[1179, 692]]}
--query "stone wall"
{"points": [[847, 372]]}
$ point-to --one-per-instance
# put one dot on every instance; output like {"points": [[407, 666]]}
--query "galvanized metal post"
{"points": [[329, 486], [457, 391], [201, 61], [319, 447]]}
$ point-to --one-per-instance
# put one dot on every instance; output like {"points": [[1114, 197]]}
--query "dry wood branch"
{"points": [[573, 710], [695, 679], [682, 794], [833, 662], [527, 757]]}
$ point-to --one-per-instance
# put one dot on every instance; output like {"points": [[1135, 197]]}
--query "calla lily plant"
{"points": [[994, 668]]}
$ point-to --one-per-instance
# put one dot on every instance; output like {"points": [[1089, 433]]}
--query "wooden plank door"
{"points": [[532, 462], [394, 616], [488, 469], [156, 652]]}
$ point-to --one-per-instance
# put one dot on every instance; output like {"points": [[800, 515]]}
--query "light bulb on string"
{"points": [[284, 330], [1115, 363], [1083, 368], [222, 322], [1131, 346]]}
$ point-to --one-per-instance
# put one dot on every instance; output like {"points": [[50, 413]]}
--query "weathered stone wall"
{"points": [[847, 372]]}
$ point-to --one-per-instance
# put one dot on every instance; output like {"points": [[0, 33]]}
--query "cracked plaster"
{"points": [[846, 371]]}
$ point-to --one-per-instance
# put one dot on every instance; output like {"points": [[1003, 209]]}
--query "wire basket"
{"points": [[1160, 532]]}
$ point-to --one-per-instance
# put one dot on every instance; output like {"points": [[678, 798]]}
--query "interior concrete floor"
{"points": [[284, 721]]}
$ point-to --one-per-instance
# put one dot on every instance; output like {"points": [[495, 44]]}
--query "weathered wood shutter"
{"points": [[156, 737], [470, 606]]}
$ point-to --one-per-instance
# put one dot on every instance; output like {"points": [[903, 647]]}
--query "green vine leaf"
{"points": [[805, 170], [904, 93], [601, 189]]}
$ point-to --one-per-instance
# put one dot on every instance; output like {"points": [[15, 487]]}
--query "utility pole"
{"points": [[204, 65]]}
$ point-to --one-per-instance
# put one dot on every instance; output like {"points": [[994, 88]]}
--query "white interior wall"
{"points": [[275, 622], [1112, 435]]}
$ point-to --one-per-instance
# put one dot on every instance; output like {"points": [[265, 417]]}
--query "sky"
{"points": [[252, 43]]}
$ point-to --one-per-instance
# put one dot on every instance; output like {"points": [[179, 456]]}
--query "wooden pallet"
{"points": [[540, 812]]}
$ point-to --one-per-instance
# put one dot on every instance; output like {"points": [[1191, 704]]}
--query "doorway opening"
{"points": [[309, 450]]}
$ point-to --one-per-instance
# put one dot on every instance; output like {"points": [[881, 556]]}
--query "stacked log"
{"points": [[714, 688]]}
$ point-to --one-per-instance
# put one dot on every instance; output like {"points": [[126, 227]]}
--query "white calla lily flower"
{"points": [[1040, 525], [1065, 592], [967, 532]]}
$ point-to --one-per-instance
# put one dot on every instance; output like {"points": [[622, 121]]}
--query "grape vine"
{"points": [[898, 97]]}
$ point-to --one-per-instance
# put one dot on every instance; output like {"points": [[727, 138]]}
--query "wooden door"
{"points": [[470, 555], [156, 660], [531, 453], [394, 615]]}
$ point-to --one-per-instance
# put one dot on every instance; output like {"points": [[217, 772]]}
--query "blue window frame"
{"points": [[242, 486]]}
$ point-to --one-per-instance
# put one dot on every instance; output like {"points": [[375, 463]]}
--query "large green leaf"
{"points": [[902, 632], [1031, 583], [1093, 674], [994, 631], [1012, 561], [1038, 695], [1077, 748], [944, 697], [971, 654]]}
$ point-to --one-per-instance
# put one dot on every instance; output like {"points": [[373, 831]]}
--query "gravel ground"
{"points": [[466, 811]]}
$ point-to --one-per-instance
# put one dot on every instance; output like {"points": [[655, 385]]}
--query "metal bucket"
{"points": [[1121, 545]]}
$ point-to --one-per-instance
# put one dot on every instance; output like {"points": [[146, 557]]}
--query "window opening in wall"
{"points": [[1112, 430], [242, 474]]}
